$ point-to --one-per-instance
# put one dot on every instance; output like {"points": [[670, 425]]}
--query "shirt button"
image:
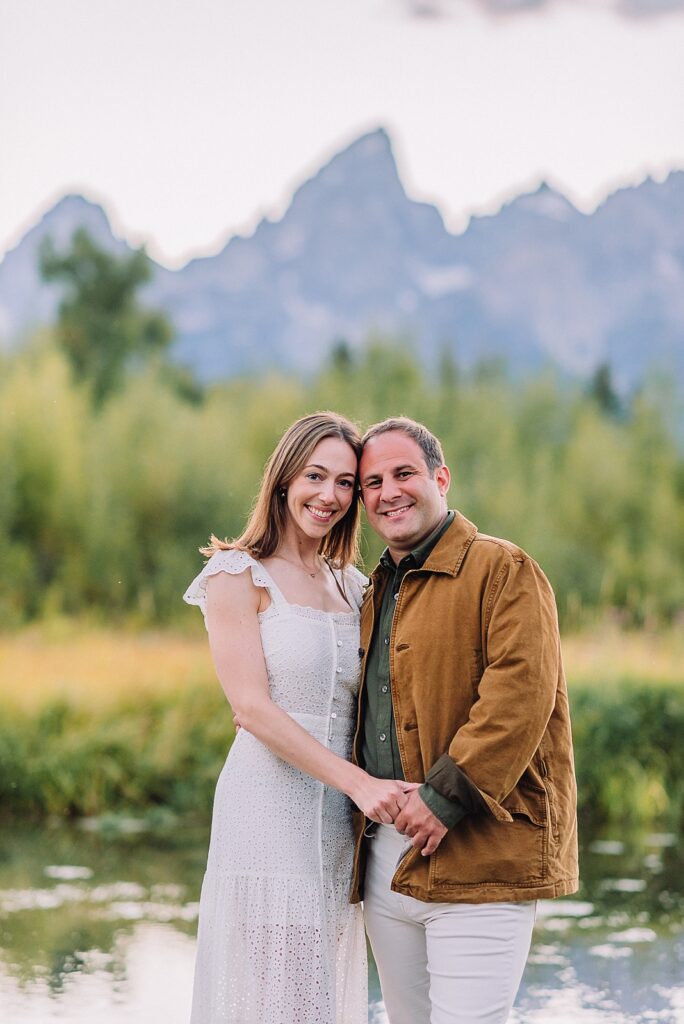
{"points": [[382, 737], [385, 689], [334, 714], [338, 669], [339, 643]]}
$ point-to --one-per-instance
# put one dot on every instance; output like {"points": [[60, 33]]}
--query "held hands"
{"points": [[381, 800], [417, 821]]}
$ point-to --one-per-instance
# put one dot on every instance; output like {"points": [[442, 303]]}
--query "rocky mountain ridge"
{"points": [[537, 282]]}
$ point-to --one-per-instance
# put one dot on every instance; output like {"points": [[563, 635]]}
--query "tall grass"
{"points": [[117, 721]]}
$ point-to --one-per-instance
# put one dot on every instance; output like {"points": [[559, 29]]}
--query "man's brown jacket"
{"points": [[481, 713]]}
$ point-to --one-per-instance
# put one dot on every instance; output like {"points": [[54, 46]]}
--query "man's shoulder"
{"points": [[498, 548], [497, 558]]}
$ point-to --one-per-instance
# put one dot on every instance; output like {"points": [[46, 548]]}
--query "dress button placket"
{"points": [[333, 714]]}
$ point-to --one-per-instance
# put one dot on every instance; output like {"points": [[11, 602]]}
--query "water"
{"points": [[98, 926]]}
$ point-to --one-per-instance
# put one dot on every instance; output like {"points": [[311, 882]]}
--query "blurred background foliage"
{"points": [[103, 507]]}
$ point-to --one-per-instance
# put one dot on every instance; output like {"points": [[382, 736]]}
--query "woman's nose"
{"points": [[327, 491]]}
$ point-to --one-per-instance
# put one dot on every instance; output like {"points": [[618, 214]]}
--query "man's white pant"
{"points": [[441, 963]]}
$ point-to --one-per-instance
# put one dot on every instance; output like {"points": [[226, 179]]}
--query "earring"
{"points": [[282, 492]]}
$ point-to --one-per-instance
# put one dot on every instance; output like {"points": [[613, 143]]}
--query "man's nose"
{"points": [[389, 490]]}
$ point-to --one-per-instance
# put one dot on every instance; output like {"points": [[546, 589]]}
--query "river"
{"points": [[97, 925]]}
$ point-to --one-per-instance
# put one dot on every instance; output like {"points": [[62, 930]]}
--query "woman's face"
{"points": [[321, 493]]}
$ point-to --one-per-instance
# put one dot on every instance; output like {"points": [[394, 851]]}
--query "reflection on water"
{"points": [[100, 928]]}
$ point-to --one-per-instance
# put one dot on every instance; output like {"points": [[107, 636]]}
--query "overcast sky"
{"points": [[191, 119]]}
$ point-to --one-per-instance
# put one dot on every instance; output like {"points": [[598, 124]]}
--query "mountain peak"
{"points": [[366, 165], [76, 201], [371, 145], [544, 202], [70, 212], [26, 301], [75, 209]]}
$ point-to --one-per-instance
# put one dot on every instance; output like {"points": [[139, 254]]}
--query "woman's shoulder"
{"points": [[231, 560], [355, 575], [234, 562], [355, 583]]}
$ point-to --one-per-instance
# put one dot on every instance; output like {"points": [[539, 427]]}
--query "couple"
{"points": [[422, 765]]}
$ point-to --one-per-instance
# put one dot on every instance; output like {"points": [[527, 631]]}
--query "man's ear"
{"points": [[443, 478]]}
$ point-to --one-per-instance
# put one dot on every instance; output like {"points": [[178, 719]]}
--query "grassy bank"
{"points": [[111, 721]]}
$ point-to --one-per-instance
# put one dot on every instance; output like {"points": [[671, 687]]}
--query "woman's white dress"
{"points": [[278, 940]]}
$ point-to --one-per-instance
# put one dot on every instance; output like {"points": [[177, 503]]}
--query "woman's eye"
{"points": [[347, 483], [313, 476]]}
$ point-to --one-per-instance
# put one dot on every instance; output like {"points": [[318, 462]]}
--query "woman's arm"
{"points": [[235, 642]]}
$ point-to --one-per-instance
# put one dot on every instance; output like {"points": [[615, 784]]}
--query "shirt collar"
{"points": [[420, 554]]}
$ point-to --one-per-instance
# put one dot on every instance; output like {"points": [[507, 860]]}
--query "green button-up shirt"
{"points": [[380, 749]]}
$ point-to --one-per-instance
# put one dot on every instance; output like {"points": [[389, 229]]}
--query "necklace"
{"points": [[299, 565]]}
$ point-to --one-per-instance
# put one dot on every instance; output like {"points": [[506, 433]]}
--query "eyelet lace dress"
{"points": [[278, 940]]}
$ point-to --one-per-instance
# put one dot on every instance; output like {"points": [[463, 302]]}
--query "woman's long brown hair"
{"points": [[266, 525]]}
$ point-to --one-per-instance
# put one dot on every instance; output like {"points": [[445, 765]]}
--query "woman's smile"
{"points": [[325, 515]]}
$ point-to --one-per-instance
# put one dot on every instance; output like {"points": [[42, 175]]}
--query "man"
{"points": [[462, 690]]}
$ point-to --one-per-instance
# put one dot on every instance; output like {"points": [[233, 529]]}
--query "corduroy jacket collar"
{"points": [[449, 551]]}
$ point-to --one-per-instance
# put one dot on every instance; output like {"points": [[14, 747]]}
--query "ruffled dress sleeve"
{"points": [[355, 583], [231, 561]]}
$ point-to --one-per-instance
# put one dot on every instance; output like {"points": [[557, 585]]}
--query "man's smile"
{"points": [[392, 512]]}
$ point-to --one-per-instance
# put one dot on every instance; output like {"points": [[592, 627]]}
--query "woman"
{"points": [[278, 941]]}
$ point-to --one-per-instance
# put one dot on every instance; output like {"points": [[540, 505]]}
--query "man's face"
{"points": [[404, 504]]}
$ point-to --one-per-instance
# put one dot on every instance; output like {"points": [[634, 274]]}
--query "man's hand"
{"points": [[415, 819]]}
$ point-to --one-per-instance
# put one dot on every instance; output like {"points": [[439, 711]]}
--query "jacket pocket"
{"points": [[550, 799], [529, 802], [481, 850]]}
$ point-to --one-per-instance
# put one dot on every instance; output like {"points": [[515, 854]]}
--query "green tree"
{"points": [[602, 390], [341, 356], [102, 326]]}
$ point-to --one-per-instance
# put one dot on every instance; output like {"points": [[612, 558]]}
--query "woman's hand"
{"points": [[381, 800]]}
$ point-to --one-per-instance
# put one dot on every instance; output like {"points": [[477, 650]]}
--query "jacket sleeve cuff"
{"points": [[449, 812], [451, 783]]}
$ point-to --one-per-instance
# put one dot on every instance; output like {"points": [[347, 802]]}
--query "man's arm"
{"points": [[516, 693], [428, 815]]}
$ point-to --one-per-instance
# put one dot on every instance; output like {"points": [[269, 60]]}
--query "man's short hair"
{"points": [[428, 443]]}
